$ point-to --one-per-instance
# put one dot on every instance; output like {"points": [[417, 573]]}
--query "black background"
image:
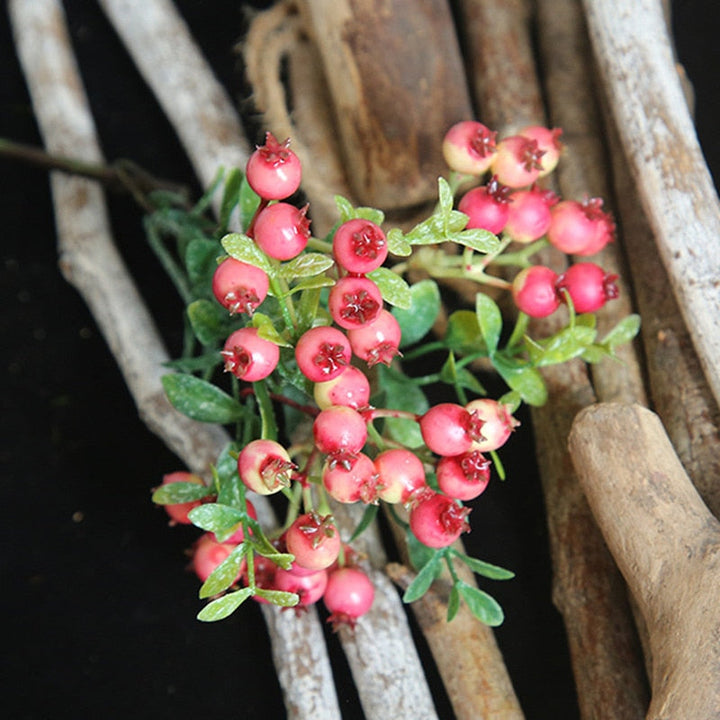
{"points": [[98, 609]]}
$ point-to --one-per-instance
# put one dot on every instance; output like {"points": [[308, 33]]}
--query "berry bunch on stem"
{"points": [[286, 330]]}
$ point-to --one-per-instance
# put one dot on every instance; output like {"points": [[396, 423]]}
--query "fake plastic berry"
{"points": [[349, 595], [340, 432], [354, 302], [465, 476], [282, 231], [208, 553], [178, 512], [322, 353], [314, 540], [239, 287], [588, 285], [498, 423], [534, 291], [360, 246], [356, 481], [377, 342], [449, 429], [437, 520], [309, 587], [548, 141], [248, 356], [581, 228], [273, 171], [400, 473], [487, 206], [529, 214], [351, 388], [469, 147], [517, 162], [264, 466]]}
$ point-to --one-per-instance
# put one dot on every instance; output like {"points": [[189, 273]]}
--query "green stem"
{"points": [[170, 265], [269, 429], [322, 246], [424, 350], [521, 258], [521, 325]]}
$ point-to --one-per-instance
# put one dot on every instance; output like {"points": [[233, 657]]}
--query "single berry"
{"points": [[377, 342], [314, 540], [437, 520], [340, 432], [469, 147], [358, 481], [281, 230], [548, 141], [463, 477], [309, 587], [401, 474], [322, 353], [351, 388], [529, 214], [448, 429], [264, 466], [239, 287], [534, 291], [208, 553], [273, 171], [497, 423], [248, 356], [517, 162], [178, 512], [349, 595], [588, 285], [359, 246], [487, 206], [581, 228], [354, 302]]}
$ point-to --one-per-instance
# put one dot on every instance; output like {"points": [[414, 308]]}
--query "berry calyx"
{"points": [[359, 246], [356, 481], [354, 302], [265, 467], [487, 206], [248, 356], [465, 476], [378, 341], [314, 540], [322, 353], [437, 520], [349, 595], [588, 285], [282, 231], [497, 421], [548, 141], [534, 291], [239, 287], [273, 171], [517, 162], [469, 147]]}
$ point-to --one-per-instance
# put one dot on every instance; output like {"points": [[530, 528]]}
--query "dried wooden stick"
{"points": [[667, 545], [91, 263], [677, 193]]}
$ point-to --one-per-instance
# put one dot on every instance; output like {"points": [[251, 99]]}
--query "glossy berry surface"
{"points": [[322, 353], [248, 356], [517, 162], [588, 285], [273, 170], [339, 430], [282, 231], [448, 429], [354, 302], [314, 540], [309, 587], [487, 206], [349, 595], [534, 291], [465, 476], [581, 228], [377, 342], [239, 287], [437, 520], [264, 466], [400, 475], [360, 246], [529, 215], [469, 147], [351, 388], [356, 481]]}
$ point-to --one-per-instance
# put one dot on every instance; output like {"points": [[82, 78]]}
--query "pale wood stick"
{"points": [[667, 545], [631, 44], [91, 263]]}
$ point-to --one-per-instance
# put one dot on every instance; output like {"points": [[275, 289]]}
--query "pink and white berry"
{"points": [[588, 285], [322, 353], [487, 206], [349, 595], [339, 430], [239, 287], [248, 356], [437, 520], [400, 475], [465, 476], [358, 481], [469, 147], [208, 553], [273, 171], [314, 540], [534, 291], [449, 429], [354, 302], [529, 215], [360, 246], [517, 162], [498, 423], [282, 231], [377, 342], [178, 512], [351, 388], [265, 467], [548, 140], [580, 228]]}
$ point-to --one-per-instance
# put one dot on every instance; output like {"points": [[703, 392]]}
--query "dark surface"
{"points": [[98, 609]]}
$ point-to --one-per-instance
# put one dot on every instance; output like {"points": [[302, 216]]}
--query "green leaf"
{"points": [[180, 492], [249, 202], [201, 260], [402, 394], [489, 320], [226, 605], [201, 400], [494, 572], [595, 353], [453, 603], [215, 517], [424, 579], [563, 346], [524, 379], [397, 244], [209, 321], [483, 606], [623, 332], [231, 195], [201, 363], [306, 265], [278, 597], [394, 290], [345, 208], [231, 490], [266, 330], [282, 560], [462, 335], [417, 320], [243, 248], [445, 196], [419, 554], [482, 241], [460, 376], [225, 574], [366, 520]]}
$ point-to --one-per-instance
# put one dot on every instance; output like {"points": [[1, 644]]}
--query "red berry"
{"points": [[282, 230], [400, 474], [239, 287], [517, 162], [448, 429], [349, 595], [529, 214], [497, 423], [351, 387], [580, 228], [178, 512], [264, 466], [322, 353], [465, 476], [469, 147], [437, 520], [486, 206], [314, 540], [377, 342], [309, 587], [248, 356], [273, 171], [360, 246], [208, 553], [534, 291], [548, 141], [358, 481], [340, 431], [588, 285], [354, 302]]}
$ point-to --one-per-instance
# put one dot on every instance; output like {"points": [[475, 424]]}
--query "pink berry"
{"points": [[400, 474], [322, 353], [486, 206], [239, 287], [310, 587], [340, 432], [437, 520], [497, 423], [360, 246], [548, 141], [351, 388], [178, 512], [517, 162], [469, 147], [588, 285], [264, 466], [449, 429], [281, 230], [273, 171], [314, 540], [349, 595], [354, 302], [580, 228], [208, 553], [239, 535], [377, 342], [529, 214], [534, 291], [248, 356], [358, 481], [465, 476]]}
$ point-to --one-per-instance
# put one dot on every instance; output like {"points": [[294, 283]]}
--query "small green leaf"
{"points": [[445, 196], [563, 346], [266, 330], [483, 606], [226, 605], [231, 195], [201, 400], [372, 214], [201, 260], [215, 517], [312, 283], [366, 520], [623, 332], [489, 320], [453, 603], [423, 580], [462, 335], [482, 241], [394, 290], [243, 248], [180, 492], [419, 554], [402, 394], [282, 560], [278, 597], [416, 321], [397, 244], [306, 265], [494, 572], [595, 353], [249, 202], [524, 379], [231, 490], [201, 363], [209, 321], [345, 208], [224, 575]]}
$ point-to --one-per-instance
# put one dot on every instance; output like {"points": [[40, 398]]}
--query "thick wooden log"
{"points": [[667, 545]]}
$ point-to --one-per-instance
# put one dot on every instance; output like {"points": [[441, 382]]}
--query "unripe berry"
{"points": [[588, 285], [354, 302], [534, 292], [517, 162], [178, 512], [359, 246], [273, 171], [486, 206], [208, 553], [351, 388], [264, 466], [529, 214], [497, 423], [377, 342], [239, 287], [437, 520], [339, 431], [282, 231], [314, 540], [322, 353], [463, 477], [248, 356], [401, 474], [469, 147], [349, 595], [548, 141], [449, 429], [358, 482], [580, 228]]}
